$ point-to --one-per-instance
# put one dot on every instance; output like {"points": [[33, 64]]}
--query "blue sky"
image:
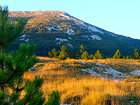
{"points": [[118, 16]]}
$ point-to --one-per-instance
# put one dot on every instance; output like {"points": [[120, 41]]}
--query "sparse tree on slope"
{"points": [[136, 54], [63, 53], [98, 55], [91, 56], [14, 64], [85, 55], [80, 52], [82, 49], [53, 54], [117, 55]]}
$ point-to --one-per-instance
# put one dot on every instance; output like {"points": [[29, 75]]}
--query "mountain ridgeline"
{"points": [[53, 29]]}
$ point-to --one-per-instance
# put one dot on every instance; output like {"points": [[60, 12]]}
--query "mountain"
{"points": [[52, 29]]}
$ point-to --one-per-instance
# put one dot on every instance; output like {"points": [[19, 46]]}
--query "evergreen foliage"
{"points": [[136, 54], [54, 98], [53, 54], [85, 55], [14, 64], [63, 53], [117, 55], [98, 55], [33, 94], [9, 31], [127, 57], [91, 56], [82, 49], [80, 52]]}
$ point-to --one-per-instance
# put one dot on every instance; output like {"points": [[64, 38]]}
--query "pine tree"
{"points": [[85, 55], [80, 52], [53, 54], [50, 54], [14, 64], [63, 53], [127, 57], [54, 98], [117, 55], [98, 55], [136, 54], [91, 56], [82, 49]]}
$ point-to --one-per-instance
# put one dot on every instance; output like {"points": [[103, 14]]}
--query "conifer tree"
{"points": [[98, 55], [63, 53], [85, 55], [136, 54], [14, 64], [80, 52], [54, 98], [53, 54], [117, 55], [82, 49], [50, 54], [91, 56]]}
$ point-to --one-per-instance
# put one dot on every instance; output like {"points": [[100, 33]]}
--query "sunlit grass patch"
{"points": [[78, 87]]}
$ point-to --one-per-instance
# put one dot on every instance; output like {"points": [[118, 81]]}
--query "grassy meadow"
{"points": [[79, 87]]}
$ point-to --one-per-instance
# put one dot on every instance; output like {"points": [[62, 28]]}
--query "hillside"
{"points": [[52, 29], [91, 82]]}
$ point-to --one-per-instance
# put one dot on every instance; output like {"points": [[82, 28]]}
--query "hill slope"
{"points": [[52, 29]]}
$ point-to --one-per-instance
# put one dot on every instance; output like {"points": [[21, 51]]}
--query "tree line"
{"points": [[81, 53]]}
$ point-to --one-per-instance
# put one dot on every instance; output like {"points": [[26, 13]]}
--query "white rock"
{"points": [[97, 37], [49, 28], [135, 72], [70, 31], [93, 29], [22, 37], [70, 45]]}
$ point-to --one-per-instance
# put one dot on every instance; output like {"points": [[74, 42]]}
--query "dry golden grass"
{"points": [[80, 88]]}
